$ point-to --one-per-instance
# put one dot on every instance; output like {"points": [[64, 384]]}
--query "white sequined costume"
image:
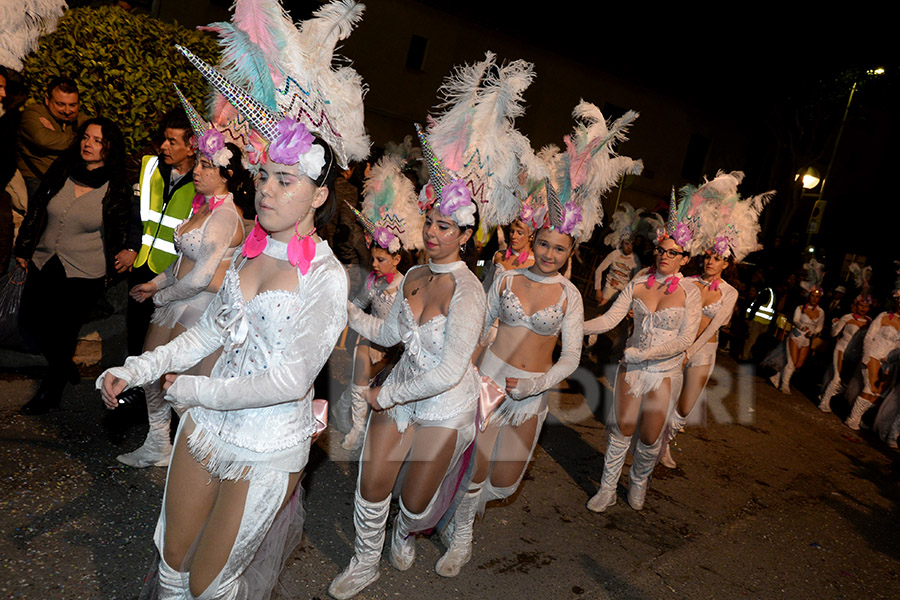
{"points": [[378, 296], [529, 398], [805, 328], [434, 383], [703, 350], [660, 338], [183, 300], [253, 414], [880, 340]]}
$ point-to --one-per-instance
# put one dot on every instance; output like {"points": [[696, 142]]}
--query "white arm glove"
{"points": [[364, 296], [616, 313], [598, 274], [462, 331], [217, 235], [838, 326], [729, 298], [796, 320], [572, 334], [383, 332], [492, 309], [686, 333], [179, 355], [324, 317], [167, 277]]}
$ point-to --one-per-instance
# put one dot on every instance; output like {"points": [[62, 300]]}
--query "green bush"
{"points": [[125, 66]]}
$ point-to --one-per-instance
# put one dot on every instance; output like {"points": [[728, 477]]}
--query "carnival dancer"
{"points": [[206, 243], [729, 228], [393, 225], [845, 327], [519, 253], [424, 413], [622, 262], [232, 508], [882, 337], [536, 307], [807, 323], [666, 317]]}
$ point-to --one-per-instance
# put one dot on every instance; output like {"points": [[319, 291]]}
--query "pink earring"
{"points": [[301, 249]]}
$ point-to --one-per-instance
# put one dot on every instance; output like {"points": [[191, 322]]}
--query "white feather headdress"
{"points": [[624, 224], [474, 138], [815, 274], [587, 169], [728, 224], [390, 213], [22, 24], [272, 70]]}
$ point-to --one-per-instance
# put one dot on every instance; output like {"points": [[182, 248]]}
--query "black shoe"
{"points": [[40, 404]]}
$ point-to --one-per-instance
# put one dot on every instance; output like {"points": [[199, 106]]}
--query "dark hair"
{"points": [[240, 183], [66, 85], [326, 212], [113, 145], [176, 119]]}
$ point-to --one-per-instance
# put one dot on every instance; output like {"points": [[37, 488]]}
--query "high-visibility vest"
{"points": [[764, 313], [160, 218]]}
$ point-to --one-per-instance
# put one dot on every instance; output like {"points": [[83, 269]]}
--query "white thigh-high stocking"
{"points": [[641, 467], [369, 520], [616, 450], [156, 449], [459, 549]]}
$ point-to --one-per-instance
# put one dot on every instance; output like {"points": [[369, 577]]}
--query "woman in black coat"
{"points": [[73, 240]]}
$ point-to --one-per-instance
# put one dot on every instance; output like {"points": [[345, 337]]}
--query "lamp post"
{"points": [[815, 217]]}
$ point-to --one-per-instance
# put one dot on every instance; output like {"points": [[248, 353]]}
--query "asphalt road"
{"points": [[771, 499]]}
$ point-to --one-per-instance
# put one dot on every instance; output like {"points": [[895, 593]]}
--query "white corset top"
{"points": [[711, 310], [546, 321]]}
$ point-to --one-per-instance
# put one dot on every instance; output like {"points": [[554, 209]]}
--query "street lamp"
{"points": [[810, 178]]}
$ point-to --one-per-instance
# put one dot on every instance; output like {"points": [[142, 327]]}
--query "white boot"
{"points": [[369, 520], [157, 448], [459, 550], [776, 379], [616, 450], [403, 542], [359, 410], [859, 409], [676, 426], [641, 469], [833, 388], [786, 375], [342, 411]]}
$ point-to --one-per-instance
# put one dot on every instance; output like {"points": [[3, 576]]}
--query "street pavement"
{"points": [[771, 499]]}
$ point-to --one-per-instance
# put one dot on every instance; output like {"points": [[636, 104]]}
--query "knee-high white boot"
{"points": [[369, 519], [856, 413], [403, 541], [641, 469], [833, 388], [676, 426], [786, 375], [459, 551], [616, 450], [157, 448], [359, 410]]}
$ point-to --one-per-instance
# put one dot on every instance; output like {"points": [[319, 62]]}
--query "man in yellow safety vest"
{"points": [[166, 192]]}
